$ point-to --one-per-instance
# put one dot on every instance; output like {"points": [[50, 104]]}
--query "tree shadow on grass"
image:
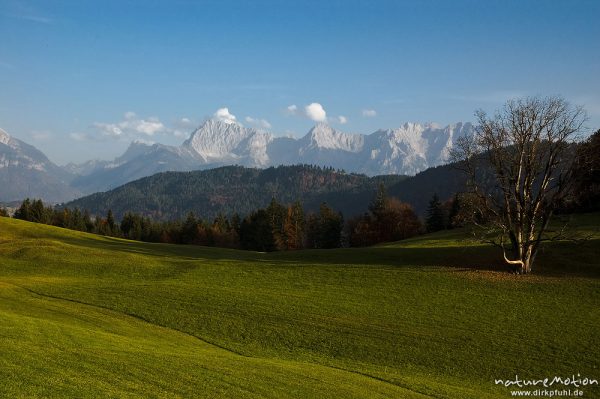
{"points": [[186, 252], [555, 259]]}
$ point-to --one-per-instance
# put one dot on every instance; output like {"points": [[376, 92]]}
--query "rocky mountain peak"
{"points": [[4, 137], [323, 136], [215, 139]]}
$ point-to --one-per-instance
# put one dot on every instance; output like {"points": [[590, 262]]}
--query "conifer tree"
{"points": [[110, 221], [435, 215], [189, 230], [24, 211]]}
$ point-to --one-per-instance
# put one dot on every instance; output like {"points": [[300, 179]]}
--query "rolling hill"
{"points": [[89, 316]]}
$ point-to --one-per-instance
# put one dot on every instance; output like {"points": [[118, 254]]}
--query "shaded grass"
{"points": [[396, 316]]}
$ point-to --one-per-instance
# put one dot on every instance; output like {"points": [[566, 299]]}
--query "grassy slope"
{"points": [[89, 316]]}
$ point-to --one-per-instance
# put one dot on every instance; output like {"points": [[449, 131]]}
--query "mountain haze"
{"points": [[140, 160], [27, 172]]}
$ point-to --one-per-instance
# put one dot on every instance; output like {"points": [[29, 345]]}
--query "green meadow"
{"points": [[86, 316]]}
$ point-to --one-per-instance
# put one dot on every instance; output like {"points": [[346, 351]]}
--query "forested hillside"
{"points": [[235, 189], [445, 181]]}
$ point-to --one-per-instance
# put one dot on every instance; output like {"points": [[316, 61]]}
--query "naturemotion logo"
{"points": [[569, 385]]}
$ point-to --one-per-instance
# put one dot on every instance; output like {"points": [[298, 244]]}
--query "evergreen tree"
{"points": [[325, 228], [189, 230], [256, 232], [110, 221], [236, 222], [435, 215], [77, 222], [37, 212], [24, 211], [377, 206], [376, 223], [87, 221]]}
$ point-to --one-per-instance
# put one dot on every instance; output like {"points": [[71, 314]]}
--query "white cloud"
{"points": [[224, 115], [263, 123], [315, 112], [149, 127], [292, 110], [342, 120], [369, 113], [132, 126], [108, 129]]}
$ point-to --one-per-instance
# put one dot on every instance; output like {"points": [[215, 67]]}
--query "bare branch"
{"points": [[525, 146]]}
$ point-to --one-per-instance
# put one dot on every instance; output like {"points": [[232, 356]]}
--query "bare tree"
{"points": [[519, 165]]}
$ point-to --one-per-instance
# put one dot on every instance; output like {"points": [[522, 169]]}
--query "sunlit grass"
{"points": [[89, 316]]}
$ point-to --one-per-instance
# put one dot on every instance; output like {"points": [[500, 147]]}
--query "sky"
{"points": [[81, 79]]}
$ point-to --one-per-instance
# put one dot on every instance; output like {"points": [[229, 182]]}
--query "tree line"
{"points": [[277, 227]]}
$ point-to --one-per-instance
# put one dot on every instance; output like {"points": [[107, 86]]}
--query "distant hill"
{"points": [[27, 172], [230, 189], [445, 181]]}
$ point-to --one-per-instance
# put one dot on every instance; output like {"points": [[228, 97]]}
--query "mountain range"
{"points": [[27, 172], [406, 150]]}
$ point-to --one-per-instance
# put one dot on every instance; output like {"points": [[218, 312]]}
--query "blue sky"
{"points": [[73, 74]]}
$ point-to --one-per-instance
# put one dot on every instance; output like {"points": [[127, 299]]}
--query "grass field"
{"points": [[88, 316]]}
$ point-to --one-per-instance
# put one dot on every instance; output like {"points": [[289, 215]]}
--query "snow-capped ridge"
{"points": [[408, 149], [216, 139], [324, 136], [4, 137]]}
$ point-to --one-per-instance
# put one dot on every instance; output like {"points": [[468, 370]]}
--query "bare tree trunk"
{"points": [[525, 146]]}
